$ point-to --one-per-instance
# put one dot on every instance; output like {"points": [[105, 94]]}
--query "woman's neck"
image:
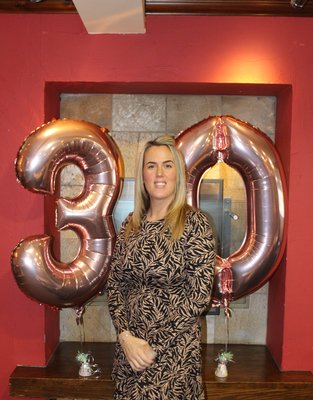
{"points": [[157, 211]]}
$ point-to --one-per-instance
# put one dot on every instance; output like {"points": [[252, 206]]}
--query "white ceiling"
{"points": [[112, 16]]}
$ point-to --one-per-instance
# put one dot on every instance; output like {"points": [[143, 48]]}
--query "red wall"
{"points": [[177, 54]]}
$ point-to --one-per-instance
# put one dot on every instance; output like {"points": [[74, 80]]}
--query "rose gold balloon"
{"points": [[41, 157], [252, 154]]}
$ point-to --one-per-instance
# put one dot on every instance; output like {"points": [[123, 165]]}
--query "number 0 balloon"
{"points": [[42, 155], [252, 154]]}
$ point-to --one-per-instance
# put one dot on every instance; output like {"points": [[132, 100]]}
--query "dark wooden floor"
{"points": [[254, 375]]}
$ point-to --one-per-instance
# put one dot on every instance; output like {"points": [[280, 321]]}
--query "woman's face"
{"points": [[159, 174]]}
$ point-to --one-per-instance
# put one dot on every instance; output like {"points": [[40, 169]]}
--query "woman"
{"points": [[160, 283]]}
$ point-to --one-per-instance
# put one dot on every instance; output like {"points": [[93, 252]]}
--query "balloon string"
{"points": [[82, 333], [94, 368], [226, 333], [80, 322]]}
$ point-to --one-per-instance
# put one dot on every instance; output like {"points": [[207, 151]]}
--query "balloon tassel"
{"points": [[226, 287], [80, 322]]}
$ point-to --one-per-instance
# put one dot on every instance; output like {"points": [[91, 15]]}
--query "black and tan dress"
{"points": [[157, 289]]}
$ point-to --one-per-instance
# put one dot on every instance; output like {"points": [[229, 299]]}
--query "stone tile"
{"points": [[264, 289], [96, 108], [70, 192], [70, 245], [139, 113], [259, 111], [183, 111], [243, 302], [97, 325], [127, 143], [207, 329], [246, 325], [72, 175]]}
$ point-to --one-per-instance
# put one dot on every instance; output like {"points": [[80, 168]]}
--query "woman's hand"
{"points": [[138, 352]]}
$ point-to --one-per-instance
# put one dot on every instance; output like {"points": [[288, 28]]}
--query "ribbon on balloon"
{"points": [[225, 286]]}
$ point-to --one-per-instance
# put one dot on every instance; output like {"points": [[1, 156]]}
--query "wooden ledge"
{"points": [[174, 7], [254, 375]]}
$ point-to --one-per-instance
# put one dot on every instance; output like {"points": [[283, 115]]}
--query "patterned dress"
{"points": [[157, 290]]}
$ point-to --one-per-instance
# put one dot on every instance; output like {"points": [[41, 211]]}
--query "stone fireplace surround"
{"points": [[258, 110]]}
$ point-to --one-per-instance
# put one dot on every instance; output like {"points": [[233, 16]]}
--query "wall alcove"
{"points": [[282, 94]]}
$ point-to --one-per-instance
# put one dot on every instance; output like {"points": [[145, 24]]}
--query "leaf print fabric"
{"points": [[157, 289]]}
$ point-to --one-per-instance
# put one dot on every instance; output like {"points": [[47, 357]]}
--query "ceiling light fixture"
{"points": [[298, 3]]}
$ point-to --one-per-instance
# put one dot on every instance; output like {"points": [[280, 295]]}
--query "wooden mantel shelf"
{"points": [[174, 7], [254, 375]]}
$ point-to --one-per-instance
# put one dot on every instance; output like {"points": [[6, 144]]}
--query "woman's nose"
{"points": [[159, 170]]}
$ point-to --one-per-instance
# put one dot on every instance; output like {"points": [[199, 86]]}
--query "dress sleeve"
{"points": [[199, 258], [115, 287]]}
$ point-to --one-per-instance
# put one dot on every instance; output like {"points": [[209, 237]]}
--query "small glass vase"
{"points": [[221, 370], [85, 369]]}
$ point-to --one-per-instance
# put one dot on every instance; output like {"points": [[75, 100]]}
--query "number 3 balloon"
{"points": [[41, 157], [252, 154]]}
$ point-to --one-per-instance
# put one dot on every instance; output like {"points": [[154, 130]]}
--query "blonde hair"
{"points": [[176, 214]]}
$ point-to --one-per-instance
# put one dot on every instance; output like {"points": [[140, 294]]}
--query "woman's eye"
{"points": [[169, 165]]}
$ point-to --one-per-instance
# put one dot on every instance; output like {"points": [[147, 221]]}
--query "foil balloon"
{"points": [[252, 154], [41, 157]]}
